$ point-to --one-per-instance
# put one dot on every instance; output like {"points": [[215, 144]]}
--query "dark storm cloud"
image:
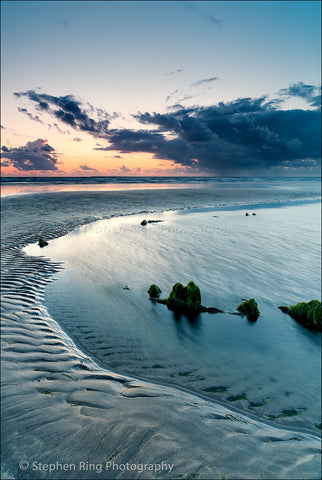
{"points": [[204, 81], [69, 111], [86, 168], [310, 93], [30, 115], [244, 134], [32, 156]]}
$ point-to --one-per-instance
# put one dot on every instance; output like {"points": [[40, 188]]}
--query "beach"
{"points": [[158, 404]]}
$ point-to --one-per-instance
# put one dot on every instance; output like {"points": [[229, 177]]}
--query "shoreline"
{"points": [[54, 356]]}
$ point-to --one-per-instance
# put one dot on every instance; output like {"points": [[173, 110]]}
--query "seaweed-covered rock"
{"points": [[185, 299], [193, 294], [144, 222], [154, 291], [42, 243], [250, 309], [308, 314], [182, 300], [178, 293]]}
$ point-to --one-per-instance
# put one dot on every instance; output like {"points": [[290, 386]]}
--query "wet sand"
{"points": [[59, 405]]}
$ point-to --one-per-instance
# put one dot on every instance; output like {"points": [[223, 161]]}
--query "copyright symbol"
{"points": [[23, 465]]}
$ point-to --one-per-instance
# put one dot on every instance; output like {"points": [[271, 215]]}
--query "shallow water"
{"points": [[270, 368]]}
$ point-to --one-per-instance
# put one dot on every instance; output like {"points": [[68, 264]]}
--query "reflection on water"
{"points": [[8, 190], [268, 366]]}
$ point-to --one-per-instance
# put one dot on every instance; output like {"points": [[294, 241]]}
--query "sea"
{"points": [[270, 368]]}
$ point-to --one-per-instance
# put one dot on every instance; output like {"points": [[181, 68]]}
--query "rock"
{"points": [[182, 300], [154, 291], [126, 287], [144, 222], [250, 309], [185, 299], [42, 243], [246, 214], [253, 213], [308, 314], [193, 294], [155, 221], [178, 293], [214, 310]]}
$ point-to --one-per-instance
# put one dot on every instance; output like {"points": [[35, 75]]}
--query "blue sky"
{"points": [[130, 58]]}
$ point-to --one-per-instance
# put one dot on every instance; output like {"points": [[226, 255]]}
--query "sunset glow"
{"points": [[163, 100]]}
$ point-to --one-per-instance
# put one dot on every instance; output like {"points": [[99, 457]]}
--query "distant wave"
{"points": [[164, 180]]}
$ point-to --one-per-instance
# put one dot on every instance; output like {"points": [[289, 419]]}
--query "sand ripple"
{"points": [[58, 405]]}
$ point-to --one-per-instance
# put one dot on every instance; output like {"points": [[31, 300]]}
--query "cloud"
{"points": [[77, 139], [247, 134], [87, 169], [181, 96], [174, 71], [204, 81], [310, 93], [32, 156], [70, 111], [124, 169], [30, 115], [205, 15], [244, 134]]}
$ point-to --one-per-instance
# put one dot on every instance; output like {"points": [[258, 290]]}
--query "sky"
{"points": [[160, 88]]}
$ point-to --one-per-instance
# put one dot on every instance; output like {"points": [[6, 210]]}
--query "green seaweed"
{"points": [[287, 412], [234, 398], [155, 366], [250, 309], [178, 293], [154, 291], [257, 404], [110, 456], [307, 314], [66, 375], [232, 418], [42, 243], [297, 439], [192, 475], [216, 389], [48, 392], [185, 299]]}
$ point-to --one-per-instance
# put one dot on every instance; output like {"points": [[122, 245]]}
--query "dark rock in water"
{"points": [[126, 287], [308, 314], [246, 214], [154, 291], [250, 309], [189, 295], [42, 243], [253, 213], [183, 300], [214, 310], [155, 221], [144, 222]]}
